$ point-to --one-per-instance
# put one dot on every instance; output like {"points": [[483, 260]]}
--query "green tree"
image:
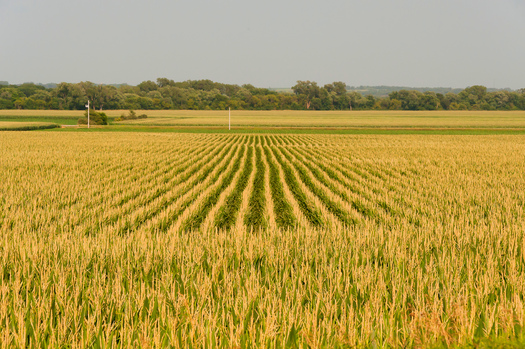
{"points": [[355, 99], [338, 87], [41, 99], [163, 82], [429, 101], [473, 95], [147, 86], [29, 88], [20, 102], [410, 100], [306, 91], [500, 100]]}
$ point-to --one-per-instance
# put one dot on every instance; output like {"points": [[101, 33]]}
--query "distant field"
{"points": [[298, 130], [294, 119], [25, 126], [338, 119], [117, 239], [61, 117]]}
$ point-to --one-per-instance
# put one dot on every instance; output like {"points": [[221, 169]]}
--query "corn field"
{"points": [[239, 241]]}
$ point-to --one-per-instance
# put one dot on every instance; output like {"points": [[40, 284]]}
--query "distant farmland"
{"points": [[293, 119], [261, 240]]}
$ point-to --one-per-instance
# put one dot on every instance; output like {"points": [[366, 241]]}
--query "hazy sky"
{"points": [[272, 43]]}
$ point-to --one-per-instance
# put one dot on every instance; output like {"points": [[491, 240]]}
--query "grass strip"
{"points": [[228, 212], [254, 219], [20, 127]]}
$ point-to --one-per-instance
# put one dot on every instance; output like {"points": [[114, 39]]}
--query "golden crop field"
{"points": [[309, 119], [239, 241], [333, 119]]}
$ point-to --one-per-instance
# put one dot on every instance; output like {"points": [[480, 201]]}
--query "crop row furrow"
{"points": [[195, 220], [254, 219], [228, 212], [146, 182], [322, 189], [307, 207], [376, 173], [191, 177], [108, 215], [349, 191], [284, 217], [141, 160], [393, 201], [409, 199], [181, 174], [360, 200], [92, 202], [168, 212], [193, 191]]}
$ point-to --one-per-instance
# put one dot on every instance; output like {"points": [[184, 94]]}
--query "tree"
{"points": [[202, 85], [78, 97], [410, 100], [473, 95], [62, 92], [147, 86], [395, 104], [443, 101], [206, 94], [370, 102], [341, 102], [20, 103], [90, 90], [326, 100], [177, 96], [500, 100], [29, 88], [429, 101], [8, 96], [520, 96], [338, 87], [41, 99], [306, 91], [354, 100], [103, 95], [163, 82]]}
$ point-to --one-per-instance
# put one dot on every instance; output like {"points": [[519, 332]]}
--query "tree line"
{"points": [[209, 95]]}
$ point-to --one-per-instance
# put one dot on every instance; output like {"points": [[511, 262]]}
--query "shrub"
{"points": [[95, 118], [131, 116]]}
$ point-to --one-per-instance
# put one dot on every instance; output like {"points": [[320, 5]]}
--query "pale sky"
{"points": [[272, 43]]}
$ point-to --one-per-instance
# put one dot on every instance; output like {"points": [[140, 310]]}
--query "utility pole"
{"points": [[87, 106], [229, 118]]}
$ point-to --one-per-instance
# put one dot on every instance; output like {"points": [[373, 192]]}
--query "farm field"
{"points": [[25, 126], [293, 119], [262, 240], [338, 119]]}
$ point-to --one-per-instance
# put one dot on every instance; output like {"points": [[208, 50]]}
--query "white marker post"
{"points": [[229, 118], [87, 106]]}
